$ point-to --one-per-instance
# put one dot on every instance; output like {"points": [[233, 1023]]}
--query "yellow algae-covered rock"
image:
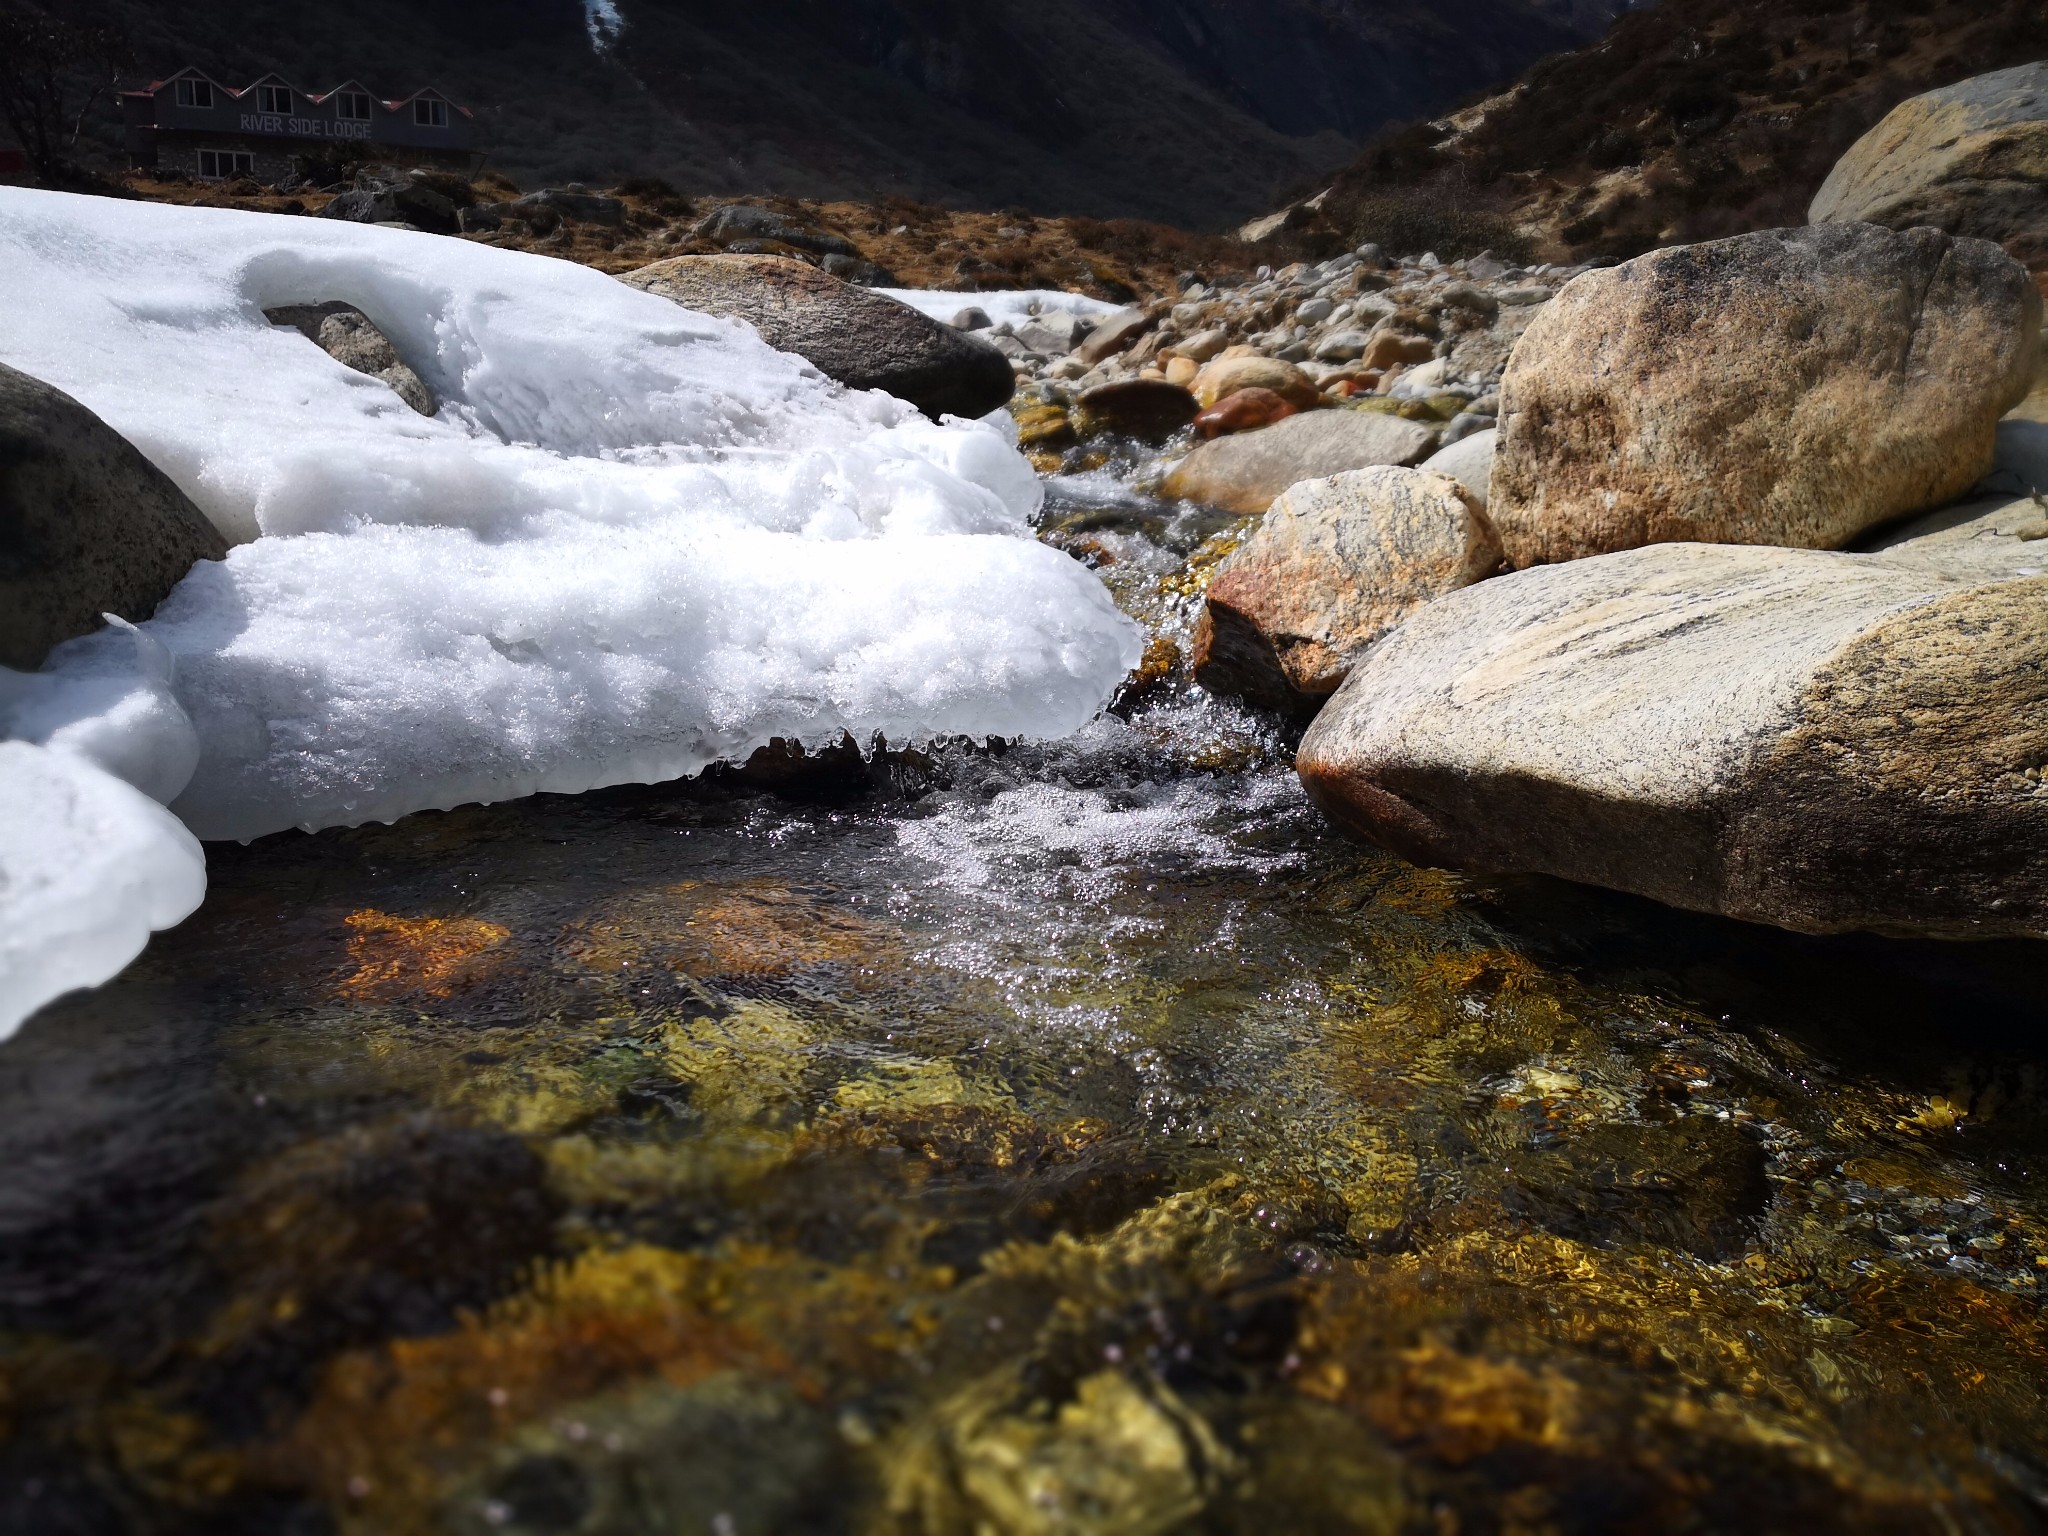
{"points": [[1333, 566], [1792, 387]]}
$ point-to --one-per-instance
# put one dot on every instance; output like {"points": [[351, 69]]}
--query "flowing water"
{"points": [[1071, 1138]]}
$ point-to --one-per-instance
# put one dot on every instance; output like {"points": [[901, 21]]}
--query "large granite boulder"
{"points": [[863, 339], [1792, 387], [1332, 567], [1817, 740], [1243, 473], [87, 524], [1970, 158]]}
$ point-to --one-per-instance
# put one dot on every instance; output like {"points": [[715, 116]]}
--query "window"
{"points": [[275, 99], [352, 106], [224, 164], [430, 114], [195, 93]]}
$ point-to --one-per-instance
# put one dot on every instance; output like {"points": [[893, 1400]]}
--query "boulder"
{"points": [[1792, 387], [584, 207], [1331, 568], [1469, 461], [1971, 158], [863, 339], [1150, 410], [1244, 410], [349, 336], [87, 524], [854, 269], [407, 202], [1203, 345], [739, 222], [1054, 333], [1114, 333], [1817, 740], [1245, 473], [1389, 349], [972, 318], [1227, 375]]}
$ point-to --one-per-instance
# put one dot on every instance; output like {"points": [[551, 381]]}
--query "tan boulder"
{"points": [[1970, 158], [1334, 565], [1390, 348], [1791, 387], [1245, 472], [1227, 375], [1817, 740]]}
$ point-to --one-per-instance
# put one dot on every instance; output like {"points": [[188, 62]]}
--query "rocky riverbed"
{"points": [[1012, 1138], [1071, 1138]]}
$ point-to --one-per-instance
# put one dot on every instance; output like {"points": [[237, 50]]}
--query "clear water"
{"points": [[1055, 1139]]}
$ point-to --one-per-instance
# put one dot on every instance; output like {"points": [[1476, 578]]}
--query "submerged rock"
{"points": [[865, 340], [352, 339], [1794, 387], [1244, 473], [1970, 158], [1335, 565], [731, 1454], [1150, 410], [87, 524], [1821, 741]]}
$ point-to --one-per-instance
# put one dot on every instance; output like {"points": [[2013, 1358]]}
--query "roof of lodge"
{"points": [[389, 104]]}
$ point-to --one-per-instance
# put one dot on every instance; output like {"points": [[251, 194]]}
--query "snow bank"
{"points": [[1013, 305], [89, 867], [634, 541]]}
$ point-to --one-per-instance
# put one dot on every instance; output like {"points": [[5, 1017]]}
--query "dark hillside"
{"points": [[1696, 119], [1190, 110]]}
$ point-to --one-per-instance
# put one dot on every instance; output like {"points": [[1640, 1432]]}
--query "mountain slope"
{"points": [[1189, 110], [1696, 119]]}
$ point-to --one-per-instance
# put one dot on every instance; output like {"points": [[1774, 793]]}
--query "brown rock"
{"points": [[352, 339], [1794, 387], [1245, 473], [1245, 410], [1150, 410], [1114, 333], [1389, 348], [1227, 375], [87, 524], [1335, 564], [863, 339]]}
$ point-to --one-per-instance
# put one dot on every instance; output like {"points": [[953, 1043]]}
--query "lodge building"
{"points": [[190, 122]]}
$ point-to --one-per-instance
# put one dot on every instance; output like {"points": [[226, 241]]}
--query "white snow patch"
{"points": [[634, 541], [1013, 305], [89, 867], [601, 19]]}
